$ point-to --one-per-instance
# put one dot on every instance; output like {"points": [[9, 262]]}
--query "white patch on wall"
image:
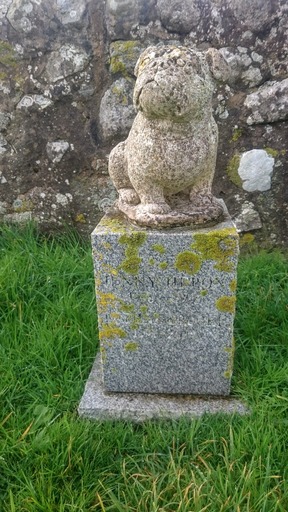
{"points": [[34, 99], [56, 150], [255, 170]]}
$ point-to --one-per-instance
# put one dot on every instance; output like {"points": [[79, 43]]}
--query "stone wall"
{"points": [[66, 81]]}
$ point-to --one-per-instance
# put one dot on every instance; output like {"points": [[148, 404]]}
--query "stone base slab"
{"points": [[99, 405]]}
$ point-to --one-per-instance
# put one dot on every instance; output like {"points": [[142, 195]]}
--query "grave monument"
{"points": [[165, 256]]}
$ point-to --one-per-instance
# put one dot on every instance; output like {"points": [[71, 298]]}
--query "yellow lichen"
{"points": [[233, 285], [188, 262], [109, 331], [133, 242], [151, 261], [230, 351], [105, 300], [126, 308], [131, 346], [163, 265], [109, 269], [115, 316], [217, 245], [203, 293], [80, 218], [226, 304], [158, 248]]}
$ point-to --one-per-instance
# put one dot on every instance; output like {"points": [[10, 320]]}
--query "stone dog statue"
{"points": [[163, 171]]}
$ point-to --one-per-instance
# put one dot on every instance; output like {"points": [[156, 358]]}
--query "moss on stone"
{"points": [[111, 330], [237, 133], [226, 304], [203, 293], [188, 262], [246, 239], [232, 171], [117, 66], [163, 265], [151, 261], [133, 242], [123, 53], [7, 55], [272, 152], [159, 248], [121, 95], [217, 245], [131, 346]]}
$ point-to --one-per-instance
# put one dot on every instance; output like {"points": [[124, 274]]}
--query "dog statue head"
{"points": [[173, 82]]}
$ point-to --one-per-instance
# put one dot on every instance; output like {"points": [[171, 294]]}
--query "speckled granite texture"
{"points": [[166, 302], [99, 405]]}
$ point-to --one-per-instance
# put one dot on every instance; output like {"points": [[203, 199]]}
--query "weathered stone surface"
{"points": [[121, 16], [116, 109], [253, 14], [5, 120], [163, 172], [269, 104], [71, 11], [166, 302], [56, 150], [248, 219], [3, 144], [66, 61], [253, 37], [179, 15], [98, 405], [255, 170]]}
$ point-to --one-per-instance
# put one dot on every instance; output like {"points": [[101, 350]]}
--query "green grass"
{"points": [[52, 461]]}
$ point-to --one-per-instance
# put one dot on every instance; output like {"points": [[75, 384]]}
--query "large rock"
{"points": [[248, 219], [269, 104], [116, 109], [179, 15], [252, 14], [70, 11], [28, 15], [121, 15], [66, 61]]}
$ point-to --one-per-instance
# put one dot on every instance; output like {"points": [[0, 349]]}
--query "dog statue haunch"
{"points": [[163, 171]]}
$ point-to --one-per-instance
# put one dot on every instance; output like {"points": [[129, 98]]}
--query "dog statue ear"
{"points": [[219, 66], [144, 58]]}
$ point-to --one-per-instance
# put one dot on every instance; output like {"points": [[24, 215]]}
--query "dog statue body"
{"points": [[164, 170]]}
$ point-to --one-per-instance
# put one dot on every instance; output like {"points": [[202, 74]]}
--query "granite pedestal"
{"points": [[166, 303]]}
